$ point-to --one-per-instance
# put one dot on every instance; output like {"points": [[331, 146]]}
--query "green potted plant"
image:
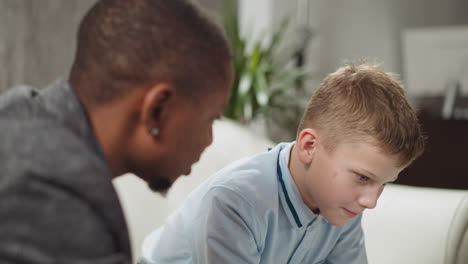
{"points": [[267, 84]]}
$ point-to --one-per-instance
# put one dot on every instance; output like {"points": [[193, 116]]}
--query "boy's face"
{"points": [[344, 182]]}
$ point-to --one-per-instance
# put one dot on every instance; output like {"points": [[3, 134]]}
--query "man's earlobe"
{"points": [[154, 131], [306, 145], [153, 111]]}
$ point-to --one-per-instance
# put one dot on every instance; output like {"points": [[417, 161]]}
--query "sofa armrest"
{"points": [[457, 243], [418, 225]]}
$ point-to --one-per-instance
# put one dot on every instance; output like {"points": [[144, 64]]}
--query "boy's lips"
{"points": [[349, 213]]}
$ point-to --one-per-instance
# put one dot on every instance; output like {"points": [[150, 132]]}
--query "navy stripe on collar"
{"points": [[288, 201]]}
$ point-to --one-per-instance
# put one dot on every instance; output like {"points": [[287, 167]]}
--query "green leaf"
{"points": [[244, 84], [261, 88], [266, 80]]}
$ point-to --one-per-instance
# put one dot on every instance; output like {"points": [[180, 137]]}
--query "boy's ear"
{"points": [[155, 107], [306, 145]]}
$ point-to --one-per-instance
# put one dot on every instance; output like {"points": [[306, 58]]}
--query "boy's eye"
{"points": [[363, 178]]}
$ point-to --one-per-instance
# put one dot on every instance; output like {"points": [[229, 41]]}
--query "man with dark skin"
{"points": [[148, 80]]}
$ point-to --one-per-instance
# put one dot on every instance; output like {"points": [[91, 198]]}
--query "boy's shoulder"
{"points": [[252, 180], [255, 175]]}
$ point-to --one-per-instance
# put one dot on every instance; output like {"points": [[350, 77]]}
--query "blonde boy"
{"points": [[301, 202]]}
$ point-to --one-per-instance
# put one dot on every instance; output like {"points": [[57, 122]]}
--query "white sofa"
{"points": [[410, 224]]}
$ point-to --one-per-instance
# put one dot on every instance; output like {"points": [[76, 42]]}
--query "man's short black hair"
{"points": [[128, 43]]}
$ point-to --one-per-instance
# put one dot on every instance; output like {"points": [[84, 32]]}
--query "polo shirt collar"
{"points": [[296, 210]]}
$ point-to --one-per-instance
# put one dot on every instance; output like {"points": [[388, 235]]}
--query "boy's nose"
{"points": [[369, 199]]}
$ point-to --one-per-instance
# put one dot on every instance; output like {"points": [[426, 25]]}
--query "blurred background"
{"points": [[283, 49]]}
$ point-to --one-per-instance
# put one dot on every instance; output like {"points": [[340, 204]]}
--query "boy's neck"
{"points": [[298, 171], [294, 166]]}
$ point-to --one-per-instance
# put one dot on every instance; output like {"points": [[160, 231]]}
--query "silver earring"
{"points": [[154, 131]]}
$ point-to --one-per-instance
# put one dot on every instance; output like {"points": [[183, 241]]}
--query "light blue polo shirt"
{"points": [[252, 212]]}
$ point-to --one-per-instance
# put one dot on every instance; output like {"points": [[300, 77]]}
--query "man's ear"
{"points": [[306, 145], [155, 107]]}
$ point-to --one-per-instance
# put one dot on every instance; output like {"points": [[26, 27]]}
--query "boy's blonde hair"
{"points": [[361, 102]]}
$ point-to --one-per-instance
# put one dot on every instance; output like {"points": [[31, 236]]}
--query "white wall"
{"points": [[256, 18], [372, 28], [369, 29], [37, 39]]}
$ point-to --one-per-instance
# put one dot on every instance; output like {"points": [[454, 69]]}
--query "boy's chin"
{"points": [[336, 221]]}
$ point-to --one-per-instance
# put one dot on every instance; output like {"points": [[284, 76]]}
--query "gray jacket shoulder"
{"points": [[56, 193]]}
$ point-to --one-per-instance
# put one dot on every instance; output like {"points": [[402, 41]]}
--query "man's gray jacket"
{"points": [[57, 201]]}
